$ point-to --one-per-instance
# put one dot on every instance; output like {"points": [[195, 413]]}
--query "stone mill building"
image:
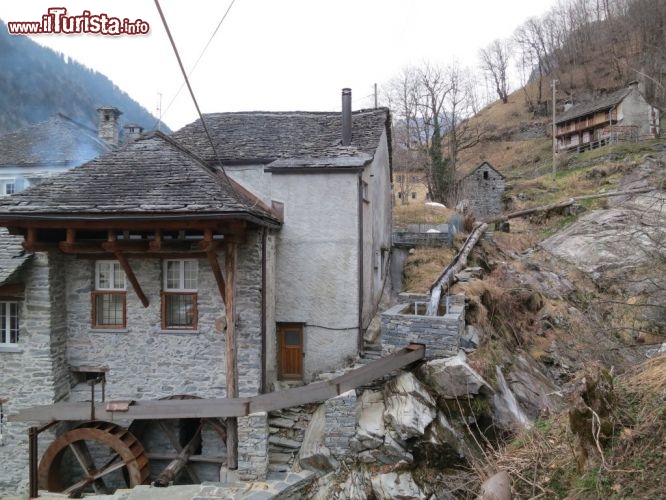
{"points": [[170, 274]]}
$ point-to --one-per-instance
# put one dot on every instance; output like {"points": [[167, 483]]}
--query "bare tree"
{"points": [[435, 89], [461, 132], [495, 62], [411, 133]]}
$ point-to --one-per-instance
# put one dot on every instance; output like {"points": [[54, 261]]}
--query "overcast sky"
{"points": [[276, 54]]}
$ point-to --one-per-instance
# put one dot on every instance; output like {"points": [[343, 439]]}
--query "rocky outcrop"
{"points": [[370, 429], [396, 486], [606, 244], [537, 395], [314, 455], [452, 377], [409, 406]]}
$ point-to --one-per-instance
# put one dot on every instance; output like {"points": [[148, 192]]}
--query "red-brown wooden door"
{"points": [[290, 351]]}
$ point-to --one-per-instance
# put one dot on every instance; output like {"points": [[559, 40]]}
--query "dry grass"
{"points": [[420, 213], [424, 266]]}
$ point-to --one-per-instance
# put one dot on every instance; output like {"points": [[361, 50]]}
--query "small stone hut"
{"points": [[482, 190]]}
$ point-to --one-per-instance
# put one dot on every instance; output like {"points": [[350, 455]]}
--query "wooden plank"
{"points": [[376, 369], [228, 407], [232, 374], [193, 458], [319, 391]]}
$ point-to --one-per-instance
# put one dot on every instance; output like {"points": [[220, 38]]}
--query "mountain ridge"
{"points": [[37, 83]]}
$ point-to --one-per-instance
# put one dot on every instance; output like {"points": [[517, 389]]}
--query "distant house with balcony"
{"points": [[623, 115]]}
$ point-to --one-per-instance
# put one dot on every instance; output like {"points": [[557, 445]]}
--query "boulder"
{"points": [[470, 339], [396, 486], [409, 406], [496, 487], [314, 455], [394, 450], [442, 433], [453, 377], [370, 428], [374, 329], [356, 487]]}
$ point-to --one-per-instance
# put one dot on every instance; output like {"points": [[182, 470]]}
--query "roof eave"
{"points": [[12, 219]]}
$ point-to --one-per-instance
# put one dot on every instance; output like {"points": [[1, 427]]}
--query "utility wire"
{"points": [[173, 99], [189, 87]]}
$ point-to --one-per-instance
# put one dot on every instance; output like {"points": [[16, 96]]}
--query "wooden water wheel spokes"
{"points": [[69, 464]]}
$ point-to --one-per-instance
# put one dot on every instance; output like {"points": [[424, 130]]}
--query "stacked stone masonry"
{"points": [[440, 334], [340, 422]]}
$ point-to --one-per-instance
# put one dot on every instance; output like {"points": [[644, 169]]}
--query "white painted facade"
{"points": [[333, 246]]}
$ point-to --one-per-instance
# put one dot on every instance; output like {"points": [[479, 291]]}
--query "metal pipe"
{"points": [[32, 458], [346, 117]]}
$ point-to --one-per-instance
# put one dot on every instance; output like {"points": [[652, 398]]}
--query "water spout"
{"points": [[504, 398], [433, 305]]}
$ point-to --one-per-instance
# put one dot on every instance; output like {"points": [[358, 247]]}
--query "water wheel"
{"points": [[102, 451], [183, 436]]}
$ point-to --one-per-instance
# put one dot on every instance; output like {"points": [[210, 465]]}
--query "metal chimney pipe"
{"points": [[346, 117]]}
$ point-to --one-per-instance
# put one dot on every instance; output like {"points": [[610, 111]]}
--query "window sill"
{"points": [[11, 349], [109, 330], [180, 331]]}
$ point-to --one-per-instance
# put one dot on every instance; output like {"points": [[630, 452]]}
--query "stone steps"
{"points": [[287, 429]]}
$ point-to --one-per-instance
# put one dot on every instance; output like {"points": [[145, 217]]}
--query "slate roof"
{"points": [[601, 104], [298, 139], [152, 175], [58, 141], [12, 255], [478, 167]]}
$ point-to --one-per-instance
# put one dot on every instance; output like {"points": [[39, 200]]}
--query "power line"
{"points": [[189, 87], [199, 58]]}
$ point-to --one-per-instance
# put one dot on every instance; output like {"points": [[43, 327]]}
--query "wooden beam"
{"points": [[232, 375], [15, 291], [179, 449], [227, 407], [69, 244], [156, 244], [132, 278], [210, 247]]}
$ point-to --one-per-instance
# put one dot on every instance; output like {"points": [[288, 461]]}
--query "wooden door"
{"points": [[290, 351]]}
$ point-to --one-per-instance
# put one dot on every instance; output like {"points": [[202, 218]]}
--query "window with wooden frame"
{"points": [[179, 295], [9, 323], [109, 304]]}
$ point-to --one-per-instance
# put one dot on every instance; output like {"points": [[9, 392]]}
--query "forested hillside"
{"points": [[36, 83], [447, 119]]}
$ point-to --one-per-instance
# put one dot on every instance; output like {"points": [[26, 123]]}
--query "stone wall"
{"points": [[253, 446], [33, 373], [440, 334], [143, 361], [340, 423]]}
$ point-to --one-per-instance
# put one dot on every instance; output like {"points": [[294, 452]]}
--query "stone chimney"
{"points": [[133, 131], [346, 117], [109, 128]]}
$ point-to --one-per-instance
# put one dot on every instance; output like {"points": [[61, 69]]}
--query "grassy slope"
{"points": [[542, 462]]}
